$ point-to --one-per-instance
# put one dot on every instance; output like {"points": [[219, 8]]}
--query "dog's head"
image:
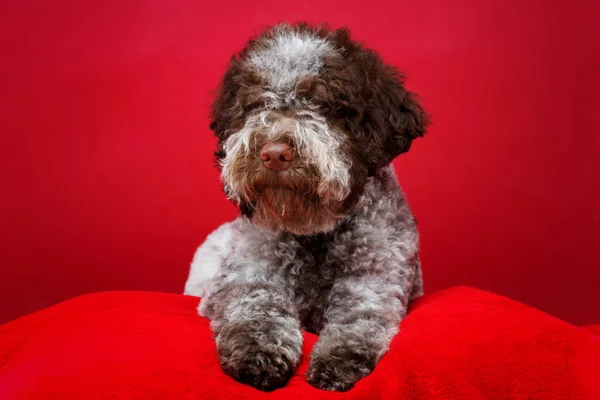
{"points": [[303, 116]]}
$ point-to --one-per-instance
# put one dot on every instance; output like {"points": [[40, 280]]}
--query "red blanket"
{"points": [[461, 343]]}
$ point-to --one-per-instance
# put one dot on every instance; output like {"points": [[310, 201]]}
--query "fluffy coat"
{"points": [[328, 245]]}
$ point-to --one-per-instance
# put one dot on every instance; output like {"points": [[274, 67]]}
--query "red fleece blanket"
{"points": [[461, 343]]}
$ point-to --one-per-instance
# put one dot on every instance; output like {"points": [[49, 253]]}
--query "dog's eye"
{"points": [[317, 106], [314, 105], [250, 106], [346, 112]]}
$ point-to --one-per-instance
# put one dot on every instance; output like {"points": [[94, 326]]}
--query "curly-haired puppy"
{"points": [[307, 122]]}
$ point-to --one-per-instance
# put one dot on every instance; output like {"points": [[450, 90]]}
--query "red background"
{"points": [[105, 154]]}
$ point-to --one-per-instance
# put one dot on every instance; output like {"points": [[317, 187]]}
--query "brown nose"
{"points": [[277, 156]]}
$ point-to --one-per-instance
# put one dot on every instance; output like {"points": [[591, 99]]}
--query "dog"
{"points": [[308, 121]]}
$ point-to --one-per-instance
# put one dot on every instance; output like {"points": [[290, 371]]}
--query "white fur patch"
{"points": [[208, 259], [289, 57]]}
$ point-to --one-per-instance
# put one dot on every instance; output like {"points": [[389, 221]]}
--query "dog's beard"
{"points": [[280, 208], [287, 200]]}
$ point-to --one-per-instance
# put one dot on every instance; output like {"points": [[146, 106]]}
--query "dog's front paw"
{"points": [[339, 368], [259, 360], [263, 370]]}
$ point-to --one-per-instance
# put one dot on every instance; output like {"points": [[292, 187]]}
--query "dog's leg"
{"points": [[256, 328], [362, 318]]}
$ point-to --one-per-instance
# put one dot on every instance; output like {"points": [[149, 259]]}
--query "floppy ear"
{"points": [[406, 118], [236, 95], [239, 93], [393, 117], [224, 102], [215, 126]]}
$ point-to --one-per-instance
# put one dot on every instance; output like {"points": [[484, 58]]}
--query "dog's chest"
{"points": [[310, 277]]}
